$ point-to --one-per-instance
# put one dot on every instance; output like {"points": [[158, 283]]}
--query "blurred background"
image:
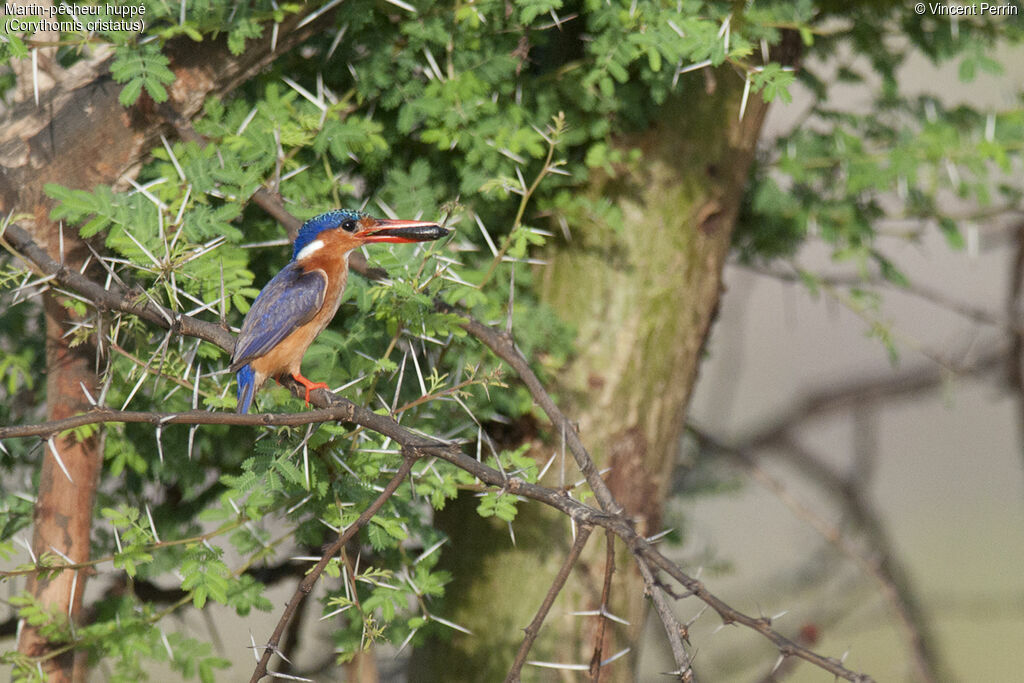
{"points": [[931, 443]]}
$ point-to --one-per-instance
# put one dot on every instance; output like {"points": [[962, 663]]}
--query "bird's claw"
{"points": [[310, 386]]}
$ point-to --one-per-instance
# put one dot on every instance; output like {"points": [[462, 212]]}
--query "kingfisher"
{"points": [[298, 302]]}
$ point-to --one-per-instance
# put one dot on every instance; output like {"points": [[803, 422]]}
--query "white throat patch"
{"points": [[310, 249]]}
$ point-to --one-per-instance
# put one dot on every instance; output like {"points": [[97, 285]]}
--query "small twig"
{"points": [[763, 625], [527, 193], [879, 561], [556, 586], [673, 629], [306, 585], [606, 590]]}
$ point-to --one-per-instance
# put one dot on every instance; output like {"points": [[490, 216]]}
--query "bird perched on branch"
{"points": [[296, 305]]}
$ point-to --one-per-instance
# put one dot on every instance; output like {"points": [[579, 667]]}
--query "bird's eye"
{"points": [[349, 225]]}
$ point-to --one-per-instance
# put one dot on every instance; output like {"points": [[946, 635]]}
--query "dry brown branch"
{"points": [[878, 561], [306, 585], [888, 568], [582, 534], [504, 347], [116, 298], [609, 517], [191, 417], [602, 618], [675, 631]]}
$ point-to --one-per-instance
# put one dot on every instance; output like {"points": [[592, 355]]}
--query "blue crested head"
{"points": [[325, 221]]}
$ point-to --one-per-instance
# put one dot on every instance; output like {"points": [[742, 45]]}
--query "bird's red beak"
{"points": [[385, 230]]}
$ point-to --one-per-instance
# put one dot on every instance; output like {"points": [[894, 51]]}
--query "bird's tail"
{"points": [[246, 388]]}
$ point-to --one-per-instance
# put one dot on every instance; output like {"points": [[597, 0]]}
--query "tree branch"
{"points": [[606, 590], [338, 413], [116, 297], [533, 630], [673, 629], [504, 347], [306, 585]]}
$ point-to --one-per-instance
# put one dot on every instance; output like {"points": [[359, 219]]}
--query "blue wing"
{"points": [[290, 299]]}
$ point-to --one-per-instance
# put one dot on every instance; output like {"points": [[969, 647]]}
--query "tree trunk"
{"points": [[642, 300], [62, 518]]}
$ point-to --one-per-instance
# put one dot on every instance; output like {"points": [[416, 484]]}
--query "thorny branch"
{"points": [[610, 516], [305, 586], [675, 631], [504, 347], [101, 415], [556, 587], [602, 617], [879, 561]]}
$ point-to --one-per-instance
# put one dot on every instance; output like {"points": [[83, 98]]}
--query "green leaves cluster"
{"points": [[836, 175], [139, 68]]}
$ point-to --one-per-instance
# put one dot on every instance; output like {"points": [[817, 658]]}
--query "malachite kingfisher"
{"points": [[296, 305]]}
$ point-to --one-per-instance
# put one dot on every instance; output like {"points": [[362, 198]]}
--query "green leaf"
{"points": [[968, 67], [141, 67], [773, 81], [497, 504], [207, 666], [951, 232], [889, 270]]}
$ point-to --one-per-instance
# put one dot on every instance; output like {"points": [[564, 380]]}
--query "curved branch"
{"points": [[504, 347], [115, 297], [101, 415]]}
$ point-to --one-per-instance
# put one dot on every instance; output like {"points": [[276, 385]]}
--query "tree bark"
{"points": [[62, 518], [642, 300]]}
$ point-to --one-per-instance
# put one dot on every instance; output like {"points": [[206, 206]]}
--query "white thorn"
{"points": [[152, 526], [557, 665], [35, 74], [56, 456], [450, 624], [404, 5], [746, 94], [329, 6]]}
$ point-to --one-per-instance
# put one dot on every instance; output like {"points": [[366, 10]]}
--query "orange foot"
{"points": [[310, 386]]}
